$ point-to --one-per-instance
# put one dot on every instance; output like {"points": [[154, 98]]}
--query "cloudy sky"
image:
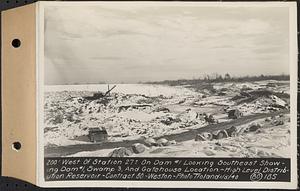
{"points": [[131, 43]]}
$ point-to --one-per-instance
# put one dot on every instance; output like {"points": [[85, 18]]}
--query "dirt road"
{"points": [[184, 136]]}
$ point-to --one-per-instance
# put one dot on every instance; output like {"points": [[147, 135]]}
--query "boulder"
{"points": [[120, 152], [162, 109], [259, 131], [254, 127], [215, 134], [162, 142], [267, 119], [221, 93], [173, 142], [150, 142], [69, 117], [232, 131], [277, 102], [262, 153], [210, 119], [170, 120], [199, 137], [234, 114], [188, 116], [277, 122], [209, 152], [246, 88], [222, 134], [138, 148], [204, 137]]}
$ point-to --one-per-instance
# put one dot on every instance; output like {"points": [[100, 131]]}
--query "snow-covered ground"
{"points": [[140, 89], [269, 141], [132, 111]]}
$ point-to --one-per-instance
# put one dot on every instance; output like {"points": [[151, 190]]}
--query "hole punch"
{"points": [[16, 146], [16, 43]]}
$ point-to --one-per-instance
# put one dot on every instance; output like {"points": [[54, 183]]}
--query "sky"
{"points": [[127, 43]]}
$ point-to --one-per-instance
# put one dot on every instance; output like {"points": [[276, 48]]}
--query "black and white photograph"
{"points": [[166, 80], [150, 94]]}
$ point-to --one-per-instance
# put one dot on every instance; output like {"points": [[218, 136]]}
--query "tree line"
{"points": [[224, 78]]}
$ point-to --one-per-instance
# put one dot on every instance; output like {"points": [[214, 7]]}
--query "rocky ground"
{"points": [[145, 111], [269, 137]]}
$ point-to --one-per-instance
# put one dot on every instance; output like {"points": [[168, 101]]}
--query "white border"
{"points": [[170, 184]]}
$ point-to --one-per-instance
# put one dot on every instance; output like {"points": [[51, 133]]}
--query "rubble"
{"points": [[120, 152], [58, 119], [133, 106]]}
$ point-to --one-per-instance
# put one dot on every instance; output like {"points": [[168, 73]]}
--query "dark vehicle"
{"points": [[97, 134]]}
